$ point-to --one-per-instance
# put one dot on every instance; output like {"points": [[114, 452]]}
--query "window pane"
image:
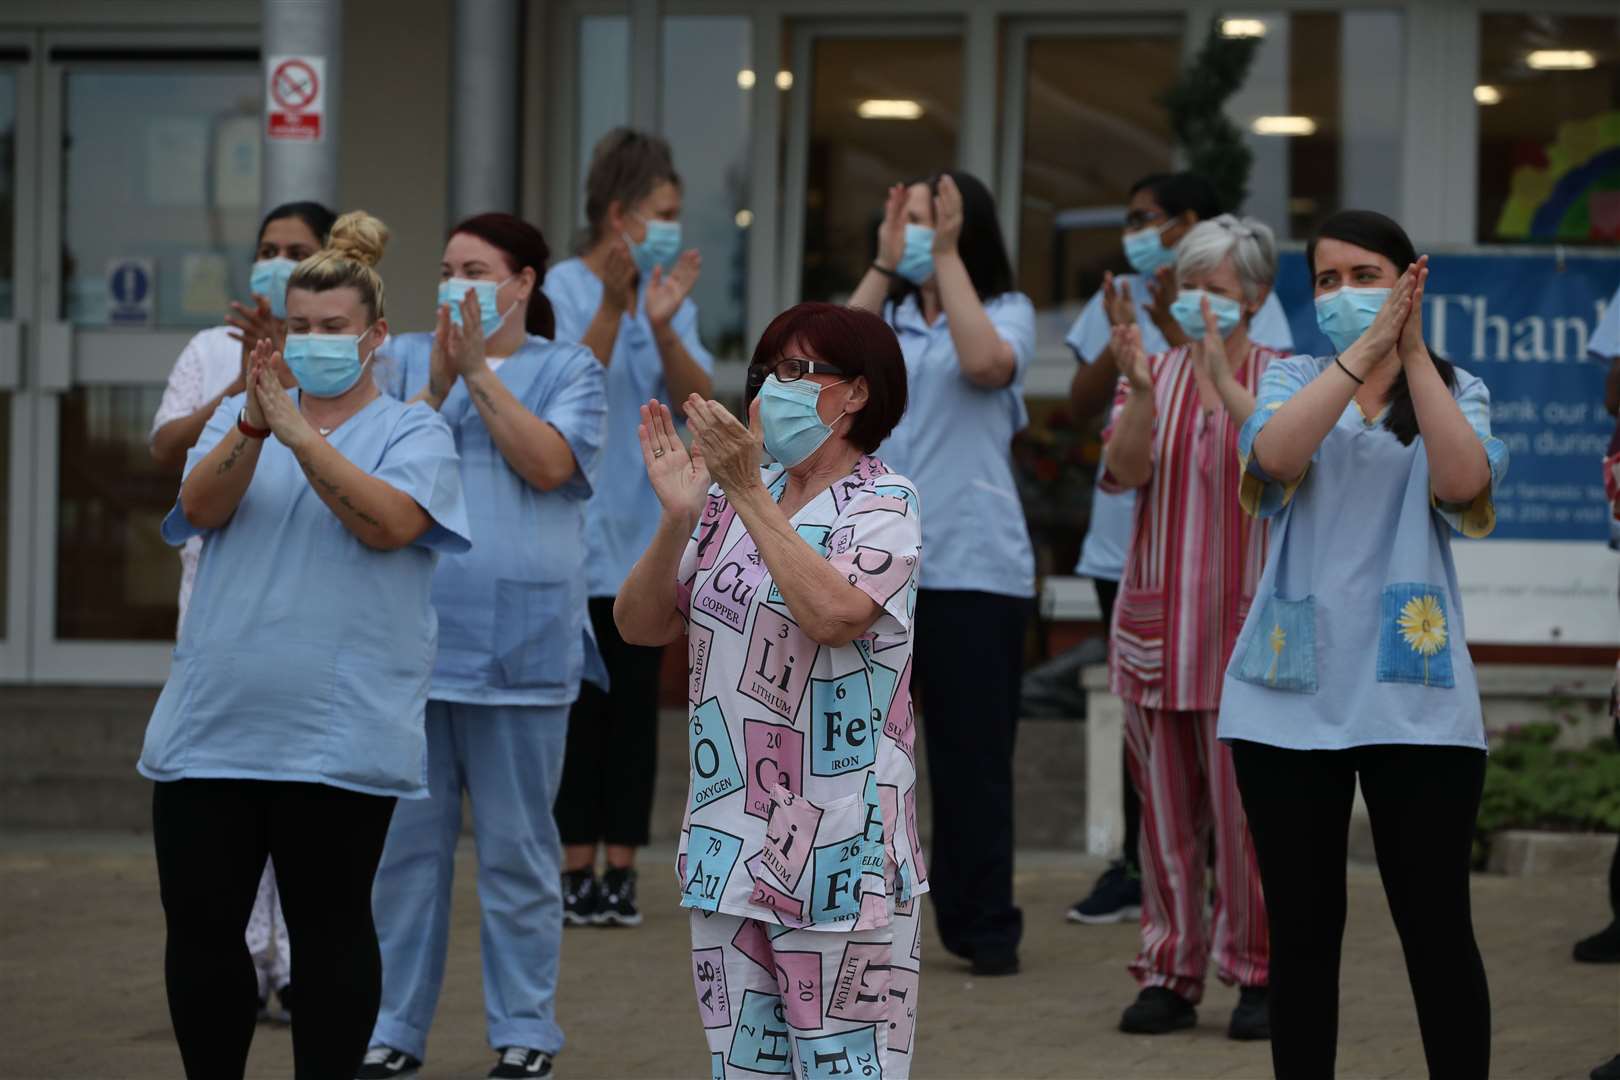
{"points": [[1549, 129], [1092, 127], [604, 89], [705, 118], [160, 168], [115, 577], [853, 160]]}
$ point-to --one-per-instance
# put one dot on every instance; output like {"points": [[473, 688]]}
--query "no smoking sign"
{"points": [[295, 97]]}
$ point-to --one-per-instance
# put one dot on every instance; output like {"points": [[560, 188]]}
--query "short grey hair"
{"points": [[1248, 240]]}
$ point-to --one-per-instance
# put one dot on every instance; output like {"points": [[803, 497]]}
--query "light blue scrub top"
{"points": [[1356, 635], [623, 514], [512, 616], [955, 443], [1108, 537], [305, 655]]}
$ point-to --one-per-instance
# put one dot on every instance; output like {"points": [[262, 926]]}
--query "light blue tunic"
{"points": [[512, 626], [306, 655], [1356, 634], [955, 443], [623, 513], [1108, 537]]}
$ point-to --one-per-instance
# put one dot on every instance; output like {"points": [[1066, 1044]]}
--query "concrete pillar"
{"points": [[1370, 112], [486, 94], [305, 169]]}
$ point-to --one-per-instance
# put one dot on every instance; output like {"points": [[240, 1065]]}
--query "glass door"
{"points": [[149, 208], [17, 217]]}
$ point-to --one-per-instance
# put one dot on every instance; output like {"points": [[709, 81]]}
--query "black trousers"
{"points": [[612, 757], [212, 837], [969, 659], [1107, 593], [1421, 803]]}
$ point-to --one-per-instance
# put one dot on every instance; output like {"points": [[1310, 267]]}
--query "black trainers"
{"points": [[384, 1062], [582, 898], [618, 905], [991, 963], [281, 1011], [1117, 896], [1602, 947], [1252, 1018], [1158, 1010], [521, 1061], [1608, 1071]]}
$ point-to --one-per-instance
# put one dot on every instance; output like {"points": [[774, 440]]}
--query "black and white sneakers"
{"points": [[582, 897], [618, 907], [384, 1063], [519, 1062]]}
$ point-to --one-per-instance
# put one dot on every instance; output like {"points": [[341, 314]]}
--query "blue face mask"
{"points": [[917, 263], [1345, 313], [659, 248], [1145, 250], [793, 427], [269, 280], [489, 316], [1189, 313], [325, 365]]}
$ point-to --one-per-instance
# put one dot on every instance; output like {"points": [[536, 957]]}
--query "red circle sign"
{"points": [[293, 84]]}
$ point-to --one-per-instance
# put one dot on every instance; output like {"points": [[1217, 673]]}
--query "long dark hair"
{"points": [[983, 251], [1377, 233], [317, 217], [523, 246]]}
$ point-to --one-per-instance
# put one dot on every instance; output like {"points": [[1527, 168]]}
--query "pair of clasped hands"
{"points": [[724, 450]]}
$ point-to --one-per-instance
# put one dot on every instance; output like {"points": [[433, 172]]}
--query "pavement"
{"points": [[81, 984]]}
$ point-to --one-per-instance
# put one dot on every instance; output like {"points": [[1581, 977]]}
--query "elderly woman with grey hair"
{"points": [[1193, 567]]}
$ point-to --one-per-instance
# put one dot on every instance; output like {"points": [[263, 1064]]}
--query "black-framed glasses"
{"points": [[1141, 219], [790, 369]]}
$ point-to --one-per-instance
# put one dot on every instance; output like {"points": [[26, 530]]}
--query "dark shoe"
{"points": [[618, 899], [990, 964], [281, 1012], [1602, 947], [1252, 1018], [264, 1010], [1116, 897], [1609, 1071], [384, 1063], [518, 1062], [1158, 1010], [582, 898]]}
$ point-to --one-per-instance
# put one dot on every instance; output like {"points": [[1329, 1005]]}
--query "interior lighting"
{"points": [[1561, 60], [1487, 95], [746, 78], [1283, 125], [889, 109], [1243, 28], [784, 80]]}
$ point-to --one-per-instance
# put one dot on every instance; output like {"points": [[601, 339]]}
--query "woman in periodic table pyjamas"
{"points": [[795, 585]]}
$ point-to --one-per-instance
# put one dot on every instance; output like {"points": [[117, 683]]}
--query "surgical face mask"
{"points": [[658, 248], [1345, 313], [1189, 312], [793, 427], [1145, 250], [917, 263], [490, 317], [269, 280], [325, 365]]}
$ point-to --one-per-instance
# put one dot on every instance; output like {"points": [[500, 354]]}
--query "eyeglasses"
{"points": [[790, 369], [1140, 219]]}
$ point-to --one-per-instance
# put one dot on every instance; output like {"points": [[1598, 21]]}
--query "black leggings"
{"points": [[212, 837], [1421, 803], [611, 760]]}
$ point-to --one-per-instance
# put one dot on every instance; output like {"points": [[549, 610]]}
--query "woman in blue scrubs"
{"points": [[292, 718], [943, 281], [527, 415]]}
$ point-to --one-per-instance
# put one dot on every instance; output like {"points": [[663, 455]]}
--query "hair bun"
{"points": [[359, 236]]}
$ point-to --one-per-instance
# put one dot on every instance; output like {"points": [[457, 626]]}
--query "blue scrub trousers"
{"points": [[509, 760]]}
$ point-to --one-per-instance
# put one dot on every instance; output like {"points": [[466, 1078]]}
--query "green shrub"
{"points": [[1531, 784]]}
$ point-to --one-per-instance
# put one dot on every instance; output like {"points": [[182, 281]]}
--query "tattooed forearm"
{"points": [[230, 461], [342, 499], [483, 395]]}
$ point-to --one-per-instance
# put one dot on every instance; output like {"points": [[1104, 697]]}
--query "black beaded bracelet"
{"points": [[1359, 380], [884, 270]]}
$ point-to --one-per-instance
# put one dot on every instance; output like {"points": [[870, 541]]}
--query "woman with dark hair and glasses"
{"points": [[527, 414], [1352, 664], [942, 280], [795, 585]]}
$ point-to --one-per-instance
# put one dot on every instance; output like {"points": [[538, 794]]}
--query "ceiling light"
{"points": [[1283, 125], [1561, 60], [1487, 95], [744, 218], [1243, 28], [745, 78], [784, 80], [889, 109]]}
